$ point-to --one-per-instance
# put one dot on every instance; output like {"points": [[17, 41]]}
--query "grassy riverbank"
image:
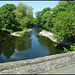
{"points": [[18, 33], [21, 33]]}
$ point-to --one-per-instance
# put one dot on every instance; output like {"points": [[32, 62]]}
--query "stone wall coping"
{"points": [[14, 64]]}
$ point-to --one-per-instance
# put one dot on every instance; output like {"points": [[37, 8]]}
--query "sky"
{"points": [[36, 5]]}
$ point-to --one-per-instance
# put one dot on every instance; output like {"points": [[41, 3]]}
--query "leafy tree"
{"points": [[30, 10], [43, 18], [7, 17], [23, 14], [36, 22], [38, 18], [45, 10], [46, 20], [63, 23], [60, 7]]}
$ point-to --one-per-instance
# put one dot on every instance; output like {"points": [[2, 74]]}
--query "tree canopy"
{"points": [[24, 15], [15, 18], [7, 17]]}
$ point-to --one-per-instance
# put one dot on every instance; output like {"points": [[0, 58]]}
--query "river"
{"points": [[29, 46]]}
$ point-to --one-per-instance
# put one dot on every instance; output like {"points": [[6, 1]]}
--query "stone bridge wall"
{"points": [[38, 65]]}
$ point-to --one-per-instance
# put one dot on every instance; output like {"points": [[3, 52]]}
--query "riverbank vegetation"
{"points": [[15, 18], [59, 20]]}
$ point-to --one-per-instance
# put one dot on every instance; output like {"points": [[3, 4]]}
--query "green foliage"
{"points": [[64, 22], [8, 30], [60, 7], [72, 48], [7, 17], [25, 30], [21, 33], [37, 20], [46, 20], [45, 10], [60, 20], [66, 50], [23, 15], [43, 19], [14, 18], [8, 7]]}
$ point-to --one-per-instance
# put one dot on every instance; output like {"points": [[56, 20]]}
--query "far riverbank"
{"points": [[49, 35], [20, 33]]}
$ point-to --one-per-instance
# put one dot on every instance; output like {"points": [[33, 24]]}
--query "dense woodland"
{"points": [[60, 20], [15, 18]]}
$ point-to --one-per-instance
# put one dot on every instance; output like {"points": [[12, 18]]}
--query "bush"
{"points": [[9, 30], [72, 48]]}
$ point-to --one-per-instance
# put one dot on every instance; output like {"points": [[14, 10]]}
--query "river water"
{"points": [[29, 46]]}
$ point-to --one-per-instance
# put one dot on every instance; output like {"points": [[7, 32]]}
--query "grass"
{"points": [[22, 32]]}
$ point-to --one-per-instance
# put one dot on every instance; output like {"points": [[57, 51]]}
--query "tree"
{"points": [[45, 10], [60, 7], [7, 17], [38, 18], [46, 20], [63, 23], [30, 10], [43, 18], [23, 14]]}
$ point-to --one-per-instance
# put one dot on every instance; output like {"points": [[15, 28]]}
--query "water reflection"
{"points": [[0, 52], [50, 44], [9, 44], [23, 43]]}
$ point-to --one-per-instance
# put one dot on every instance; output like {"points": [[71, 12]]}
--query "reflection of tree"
{"points": [[50, 44], [8, 46], [0, 46], [23, 43], [0, 51]]}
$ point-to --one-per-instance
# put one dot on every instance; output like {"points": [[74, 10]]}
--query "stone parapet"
{"points": [[38, 65]]}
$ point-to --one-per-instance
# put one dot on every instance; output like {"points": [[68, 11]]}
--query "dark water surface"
{"points": [[29, 46]]}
